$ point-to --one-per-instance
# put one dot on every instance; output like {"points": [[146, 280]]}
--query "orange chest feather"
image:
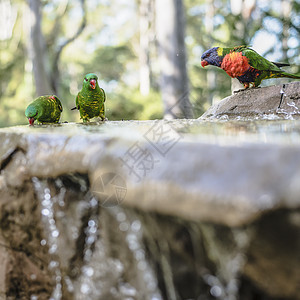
{"points": [[235, 64]]}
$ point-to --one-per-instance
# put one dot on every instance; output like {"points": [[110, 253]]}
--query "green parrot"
{"points": [[245, 64], [44, 109], [90, 100]]}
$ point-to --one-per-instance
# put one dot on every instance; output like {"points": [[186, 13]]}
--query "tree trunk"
{"points": [[37, 50], [170, 25], [55, 73], [46, 72], [144, 8], [209, 27]]}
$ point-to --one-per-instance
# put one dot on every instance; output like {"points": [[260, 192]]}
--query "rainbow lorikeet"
{"points": [[90, 100], [44, 109], [245, 64]]}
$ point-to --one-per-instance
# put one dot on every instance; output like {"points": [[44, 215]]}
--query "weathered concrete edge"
{"points": [[215, 193]]}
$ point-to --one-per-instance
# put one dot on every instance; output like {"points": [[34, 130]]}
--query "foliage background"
{"points": [[110, 45]]}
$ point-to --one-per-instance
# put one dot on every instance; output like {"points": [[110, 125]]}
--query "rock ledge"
{"points": [[258, 102]]}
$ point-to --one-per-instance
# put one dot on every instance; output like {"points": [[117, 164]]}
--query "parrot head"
{"points": [[90, 81], [212, 57], [31, 113]]}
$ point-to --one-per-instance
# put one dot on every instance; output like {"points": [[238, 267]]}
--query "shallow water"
{"points": [[267, 130]]}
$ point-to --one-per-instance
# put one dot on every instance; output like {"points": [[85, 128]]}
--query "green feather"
{"points": [[44, 109], [267, 68], [89, 101]]}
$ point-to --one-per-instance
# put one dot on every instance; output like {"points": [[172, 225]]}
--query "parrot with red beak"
{"points": [[44, 109], [245, 64], [90, 100]]}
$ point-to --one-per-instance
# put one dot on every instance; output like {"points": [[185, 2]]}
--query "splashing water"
{"points": [[288, 115], [293, 105]]}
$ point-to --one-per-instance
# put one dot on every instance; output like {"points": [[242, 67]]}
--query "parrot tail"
{"points": [[279, 65], [74, 108], [289, 75]]}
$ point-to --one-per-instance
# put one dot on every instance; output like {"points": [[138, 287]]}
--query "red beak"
{"points": [[31, 121], [204, 63], [93, 83]]}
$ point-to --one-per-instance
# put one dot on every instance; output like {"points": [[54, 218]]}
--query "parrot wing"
{"points": [[258, 62], [104, 95], [77, 103], [59, 104]]}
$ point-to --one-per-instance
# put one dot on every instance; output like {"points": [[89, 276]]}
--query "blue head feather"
{"points": [[211, 57]]}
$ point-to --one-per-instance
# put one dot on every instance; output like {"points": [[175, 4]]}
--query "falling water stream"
{"points": [[95, 262], [51, 230], [133, 231]]}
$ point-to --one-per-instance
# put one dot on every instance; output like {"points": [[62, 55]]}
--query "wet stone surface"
{"points": [[276, 102], [184, 209]]}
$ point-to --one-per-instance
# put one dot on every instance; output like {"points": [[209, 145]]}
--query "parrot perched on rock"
{"points": [[90, 100], [245, 64], [44, 109]]}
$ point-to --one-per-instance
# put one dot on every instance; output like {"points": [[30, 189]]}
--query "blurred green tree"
{"points": [[118, 40]]}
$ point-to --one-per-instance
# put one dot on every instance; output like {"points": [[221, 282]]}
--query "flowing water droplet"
{"points": [[45, 212], [216, 291], [85, 289], [124, 226], [136, 226], [55, 233]]}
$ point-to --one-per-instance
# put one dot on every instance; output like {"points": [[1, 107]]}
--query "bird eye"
{"points": [[85, 79]]}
